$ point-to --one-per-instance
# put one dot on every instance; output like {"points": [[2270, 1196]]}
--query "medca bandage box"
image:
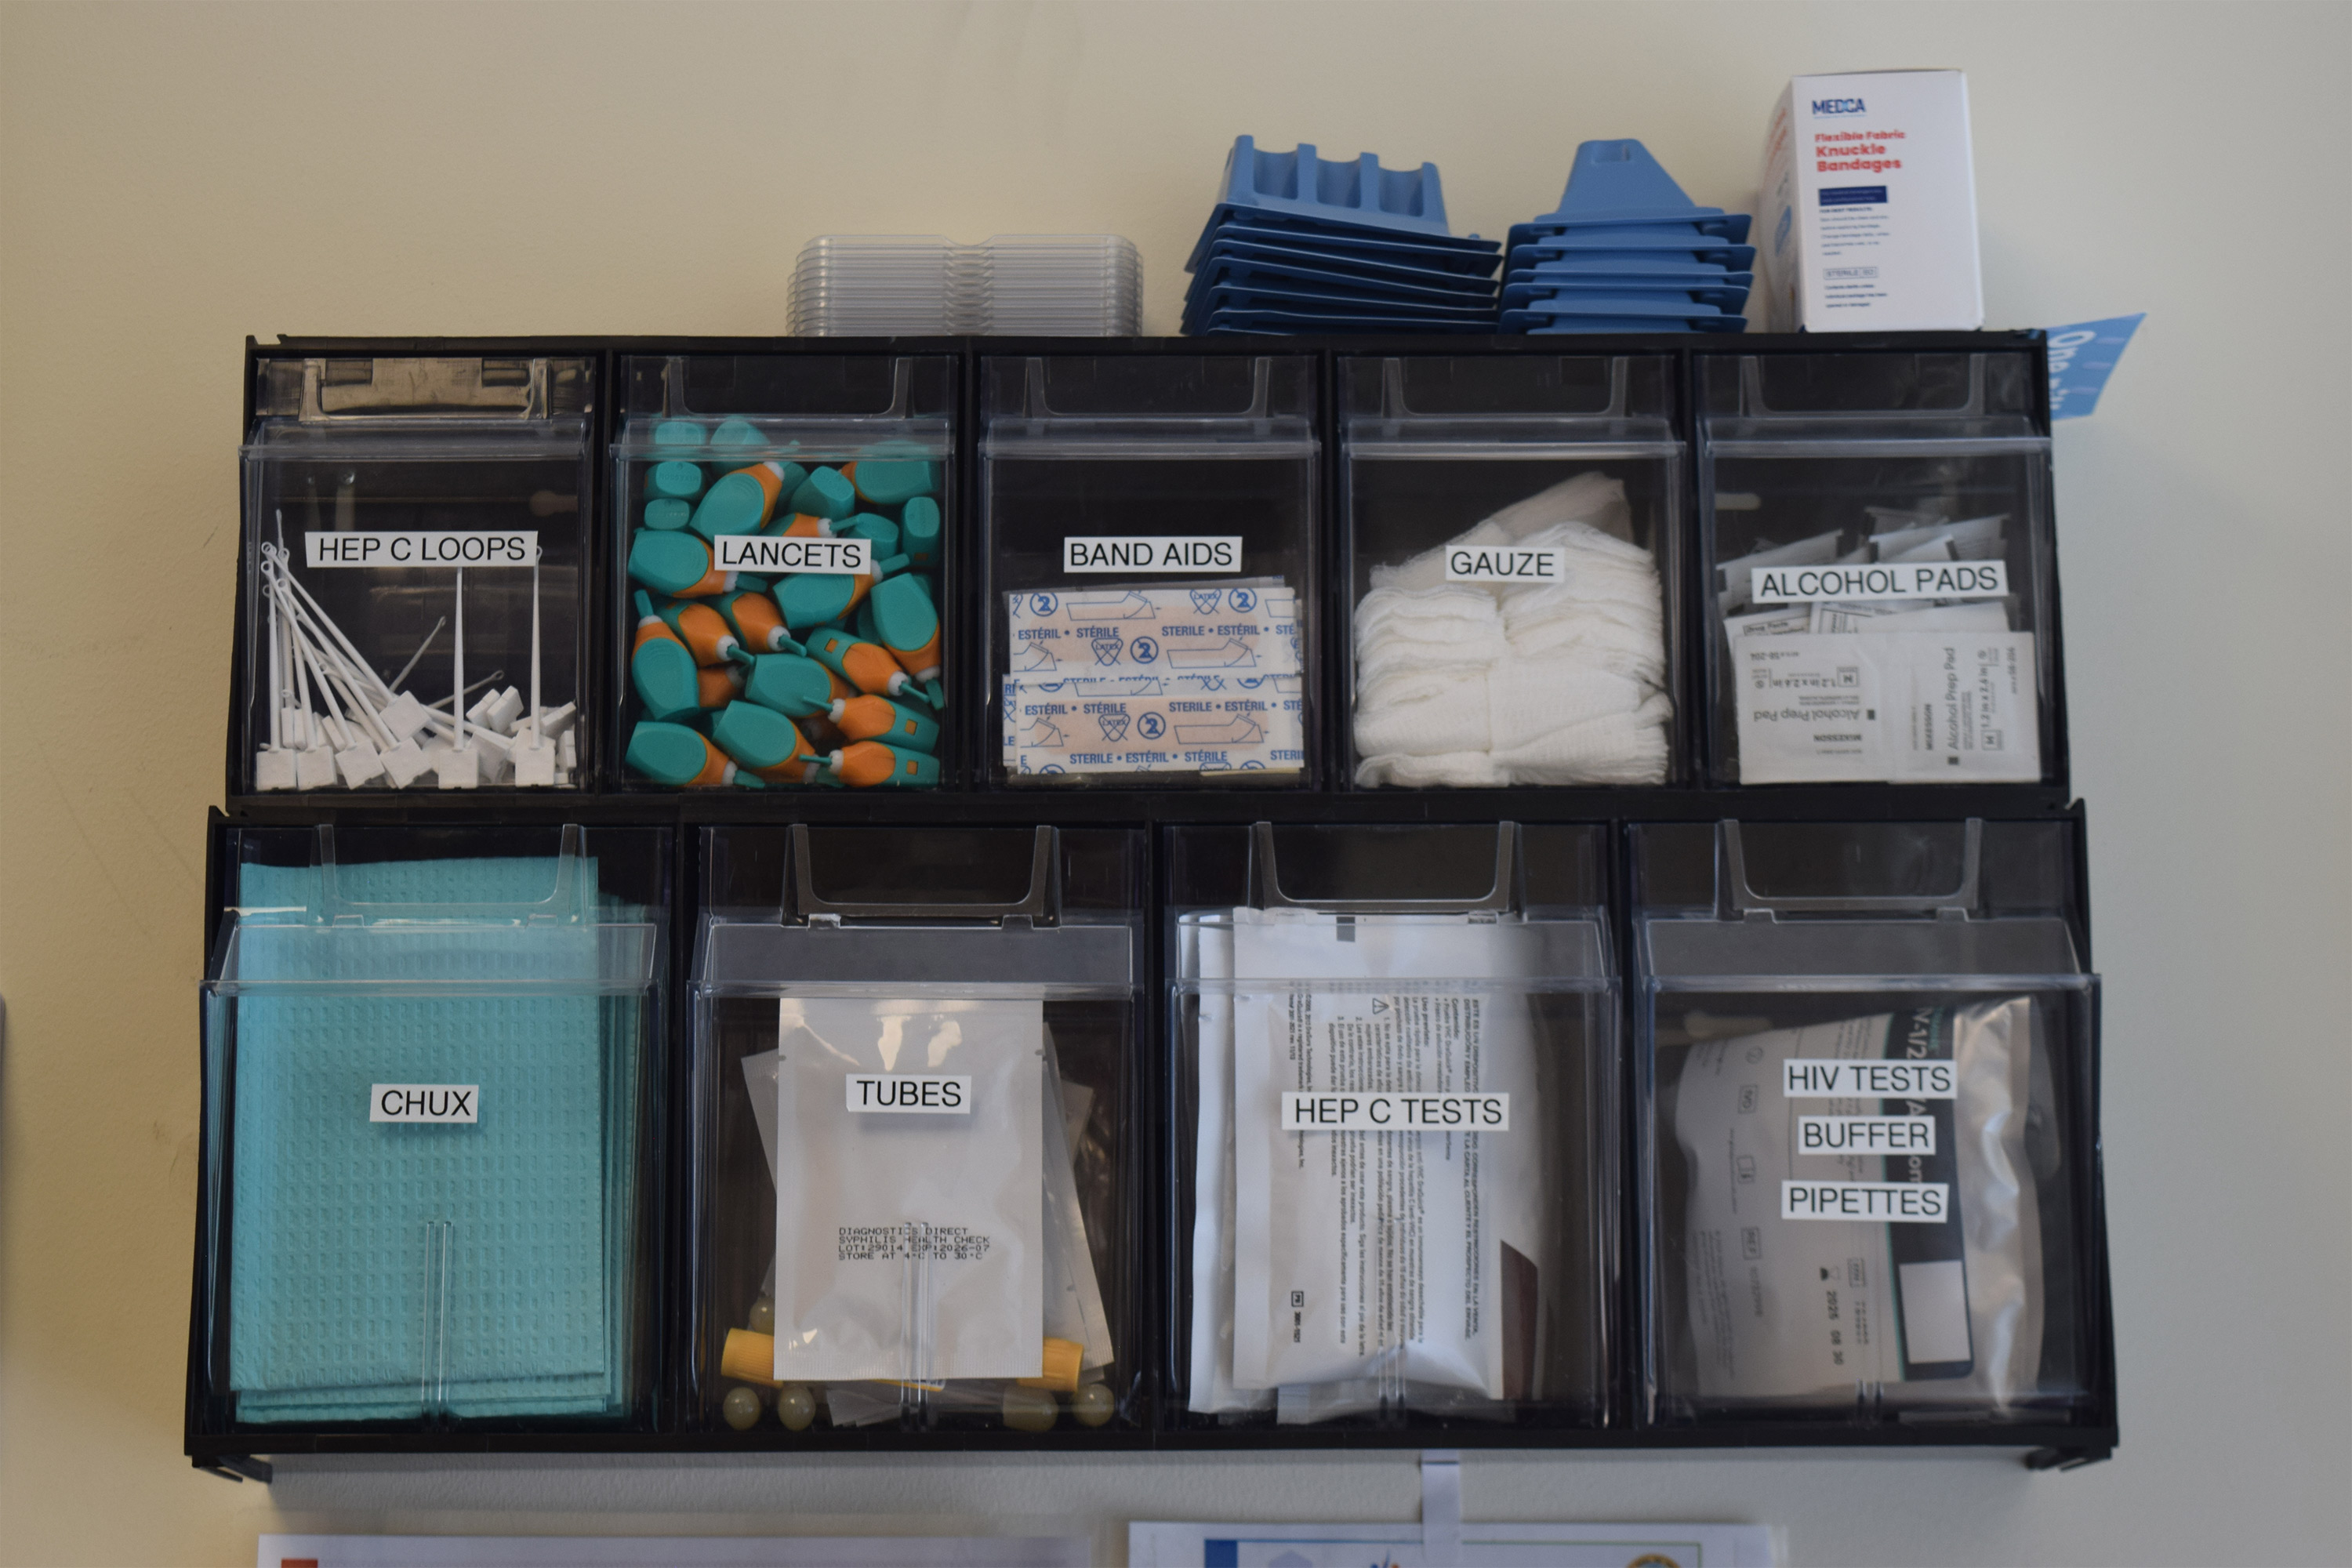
{"points": [[1869, 219]]}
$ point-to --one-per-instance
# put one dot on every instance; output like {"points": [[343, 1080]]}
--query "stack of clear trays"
{"points": [[1087, 285]]}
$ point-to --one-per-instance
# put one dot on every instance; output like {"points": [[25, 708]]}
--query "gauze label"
{"points": [[1882, 580], [923, 1094], [425, 1102], [1499, 563], [790, 552], [1153, 552], [1913, 707], [1395, 1112], [515, 547]]}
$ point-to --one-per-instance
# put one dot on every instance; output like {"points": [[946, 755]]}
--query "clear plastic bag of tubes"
{"points": [[1394, 1125], [917, 1148], [1863, 1191]]}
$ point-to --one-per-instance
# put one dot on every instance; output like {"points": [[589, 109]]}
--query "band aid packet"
{"points": [[1203, 677]]}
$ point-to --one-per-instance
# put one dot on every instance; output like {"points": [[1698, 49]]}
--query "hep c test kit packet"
{"points": [[1869, 220]]}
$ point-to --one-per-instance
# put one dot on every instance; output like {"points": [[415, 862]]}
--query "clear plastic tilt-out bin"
{"points": [[783, 615], [1878, 574], [415, 562], [1866, 1063], [1512, 540], [1392, 1197], [916, 1137], [1148, 569], [433, 1160]]}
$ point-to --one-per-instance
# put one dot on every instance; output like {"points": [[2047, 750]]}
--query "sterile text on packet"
{"points": [[517, 547], [1363, 1113]]}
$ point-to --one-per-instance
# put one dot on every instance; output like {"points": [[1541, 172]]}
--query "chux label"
{"points": [[514, 547], [1884, 580], [441, 1103], [790, 552], [1364, 1112], [1153, 552], [929, 1094], [1464, 565]]}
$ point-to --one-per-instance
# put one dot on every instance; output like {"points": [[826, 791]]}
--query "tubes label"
{"points": [[1892, 1202], [927, 1094], [1883, 580], [513, 547], [1367, 1112], [438, 1103], [1840, 1078], [1536, 568], [771, 553], [1153, 552]]}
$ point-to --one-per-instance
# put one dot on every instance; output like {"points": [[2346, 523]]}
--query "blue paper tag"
{"points": [[2082, 357]]}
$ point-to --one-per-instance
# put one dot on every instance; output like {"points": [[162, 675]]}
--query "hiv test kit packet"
{"points": [[1869, 206]]}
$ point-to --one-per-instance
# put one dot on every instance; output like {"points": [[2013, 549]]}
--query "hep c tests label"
{"points": [[1912, 707], [1368, 1112], [517, 547]]}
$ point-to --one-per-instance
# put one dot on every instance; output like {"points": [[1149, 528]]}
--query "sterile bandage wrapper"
{"points": [[1907, 707], [1159, 680]]}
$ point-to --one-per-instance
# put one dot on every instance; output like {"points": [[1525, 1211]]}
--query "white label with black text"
{"points": [[1365, 1112], [924, 1094], [1153, 552], [441, 1103], [512, 547], [1506, 565], [1843, 1078], [1847, 1135], [790, 552], [1888, 1203], [1879, 580]]}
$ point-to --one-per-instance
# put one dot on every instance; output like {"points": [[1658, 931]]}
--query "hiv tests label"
{"points": [[430, 1103], [1890, 1203], [1907, 707], [1153, 552], [1881, 580], [772, 552], [925, 1094], [1846, 1077], [350, 547], [1362, 1111], [1509, 567]]}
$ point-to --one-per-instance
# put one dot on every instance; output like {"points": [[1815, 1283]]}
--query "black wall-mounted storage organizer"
{"points": [[1671, 916]]}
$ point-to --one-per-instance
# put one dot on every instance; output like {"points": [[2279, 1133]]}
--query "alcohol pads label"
{"points": [[1884, 580], [1153, 552], [1840, 1135], [1511, 567], [517, 547], [1365, 1112], [929, 1094], [772, 552], [437, 1103], [1835, 1078], [1893, 1203]]}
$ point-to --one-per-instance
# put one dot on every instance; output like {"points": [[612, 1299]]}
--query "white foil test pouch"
{"points": [[1367, 1250], [1912, 706], [910, 1201], [1861, 1217]]}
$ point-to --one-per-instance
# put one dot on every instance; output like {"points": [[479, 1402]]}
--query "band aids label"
{"points": [[1893, 1203], [1912, 706], [1364, 1112], [1513, 568], [435, 1103], [772, 552], [1155, 723], [929, 1094], [511, 547], [1882, 580], [1153, 552]]}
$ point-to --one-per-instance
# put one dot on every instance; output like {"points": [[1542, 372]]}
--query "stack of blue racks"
{"points": [[1627, 252], [1297, 244]]}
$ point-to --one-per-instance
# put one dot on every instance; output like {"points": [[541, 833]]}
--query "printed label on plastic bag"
{"points": [[1902, 706]]}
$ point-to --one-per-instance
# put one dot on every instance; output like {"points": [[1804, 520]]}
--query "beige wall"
{"points": [[178, 177]]}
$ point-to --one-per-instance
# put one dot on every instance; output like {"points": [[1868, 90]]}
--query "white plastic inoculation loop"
{"points": [[1441, 1508], [432, 1377], [918, 1323]]}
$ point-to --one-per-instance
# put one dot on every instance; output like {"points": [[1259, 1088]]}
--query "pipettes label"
{"points": [[513, 547], [1896, 1203]]}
